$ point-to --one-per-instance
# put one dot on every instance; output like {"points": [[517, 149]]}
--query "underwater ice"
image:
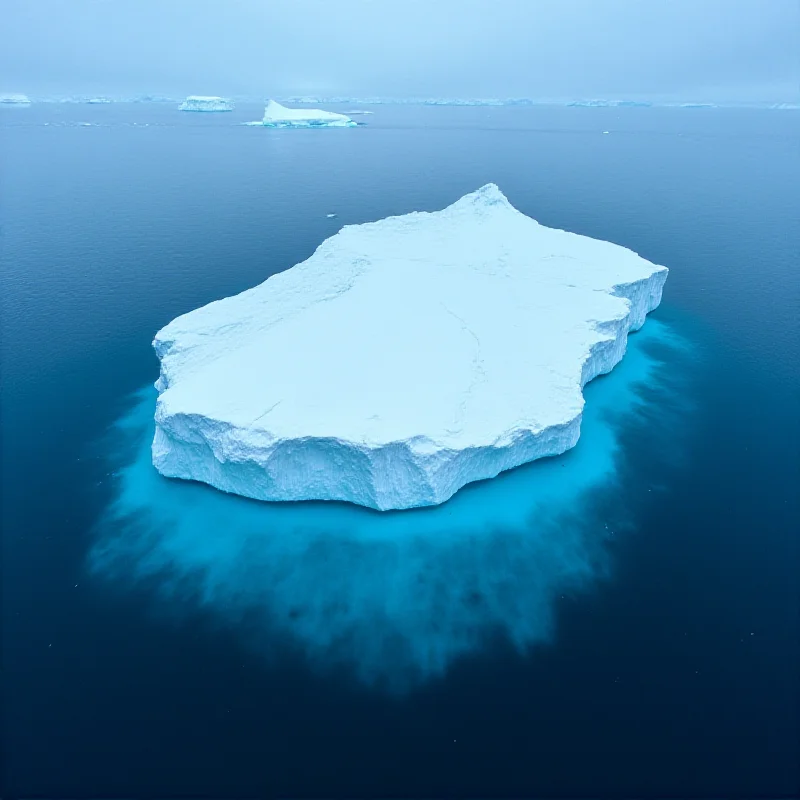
{"points": [[399, 597], [404, 359], [278, 116], [204, 103]]}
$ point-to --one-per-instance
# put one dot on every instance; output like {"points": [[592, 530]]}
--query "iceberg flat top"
{"points": [[402, 360], [278, 115]]}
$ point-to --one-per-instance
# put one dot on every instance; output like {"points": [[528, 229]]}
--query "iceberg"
{"points": [[592, 103], [15, 99], [611, 103], [202, 103], [278, 116], [152, 98], [404, 359]]}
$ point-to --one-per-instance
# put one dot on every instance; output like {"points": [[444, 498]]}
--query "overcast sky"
{"points": [[692, 49]]}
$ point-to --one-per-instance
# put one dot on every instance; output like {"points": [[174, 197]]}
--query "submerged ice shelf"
{"points": [[404, 359]]}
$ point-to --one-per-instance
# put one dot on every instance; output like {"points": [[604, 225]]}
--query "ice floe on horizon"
{"points": [[206, 103], [14, 99]]}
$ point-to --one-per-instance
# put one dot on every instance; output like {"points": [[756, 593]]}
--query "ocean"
{"points": [[621, 620]]}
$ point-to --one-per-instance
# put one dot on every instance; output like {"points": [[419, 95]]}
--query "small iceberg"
{"points": [[278, 116], [96, 101], [153, 98], [610, 103], [205, 103], [591, 103], [330, 216], [15, 99]]}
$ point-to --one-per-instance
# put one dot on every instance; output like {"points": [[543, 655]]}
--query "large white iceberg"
{"points": [[197, 102], [402, 360], [15, 99], [278, 116]]}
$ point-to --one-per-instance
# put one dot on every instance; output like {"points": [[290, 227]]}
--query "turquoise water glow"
{"points": [[396, 596]]}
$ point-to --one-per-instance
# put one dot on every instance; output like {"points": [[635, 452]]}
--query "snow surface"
{"points": [[278, 116], [15, 99], [404, 359], [197, 102]]}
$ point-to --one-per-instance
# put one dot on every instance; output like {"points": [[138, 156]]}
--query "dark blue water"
{"points": [[620, 620]]}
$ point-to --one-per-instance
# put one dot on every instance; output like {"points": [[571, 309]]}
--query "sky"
{"points": [[714, 50]]}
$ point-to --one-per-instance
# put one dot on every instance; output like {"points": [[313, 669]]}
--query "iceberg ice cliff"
{"points": [[206, 103], [404, 359], [278, 116]]}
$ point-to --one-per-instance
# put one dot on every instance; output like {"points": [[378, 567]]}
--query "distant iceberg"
{"points": [[455, 101], [412, 101], [95, 101], [278, 116], [195, 102], [468, 101], [591, 103], [152, 98], [786, 106], [15, 99], [697, 105], [404, 359], [610, 103]]}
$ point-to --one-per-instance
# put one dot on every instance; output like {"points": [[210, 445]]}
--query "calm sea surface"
{"points": [[619, 620]]}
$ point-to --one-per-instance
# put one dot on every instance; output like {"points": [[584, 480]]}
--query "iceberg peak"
{"points": [[487, 196]]}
